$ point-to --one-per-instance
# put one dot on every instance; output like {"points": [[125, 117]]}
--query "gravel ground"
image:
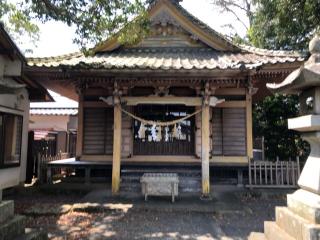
{"points": [[123, 222]]}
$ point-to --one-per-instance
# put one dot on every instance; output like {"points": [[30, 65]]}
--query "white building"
{"points": [[16, 92]]}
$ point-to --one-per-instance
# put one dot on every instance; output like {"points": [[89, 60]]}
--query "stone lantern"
{"points": [[301, 219]]}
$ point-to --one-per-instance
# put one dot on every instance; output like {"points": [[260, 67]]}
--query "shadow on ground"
{"points": [[75, 212]]}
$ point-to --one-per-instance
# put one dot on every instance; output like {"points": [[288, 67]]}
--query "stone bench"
{"points": [[160, 184]]}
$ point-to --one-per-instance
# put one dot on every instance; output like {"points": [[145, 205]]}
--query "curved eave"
{"points": [[299, 80]]}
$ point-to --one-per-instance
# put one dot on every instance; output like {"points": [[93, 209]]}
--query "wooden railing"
{"points": [[277, 174], [43, 160]]}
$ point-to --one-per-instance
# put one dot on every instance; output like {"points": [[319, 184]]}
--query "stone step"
{"points": [[6, 210], [273, 232], [257, 236], [296, 226], [12, 228], [305, 204], [33, 234]]}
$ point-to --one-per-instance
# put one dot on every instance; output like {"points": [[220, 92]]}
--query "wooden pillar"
{"points": [[116, 146], [249, 124], [205, 149], [80, 128]]}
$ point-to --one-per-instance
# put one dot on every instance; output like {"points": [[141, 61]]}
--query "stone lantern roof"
{"points": [[308, 75]]}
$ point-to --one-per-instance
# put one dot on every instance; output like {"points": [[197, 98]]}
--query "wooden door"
{"points": [[168, 145]]}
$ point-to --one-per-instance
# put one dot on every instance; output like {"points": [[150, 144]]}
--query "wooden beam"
{"points": [[80, 128], [249, 125], [116, 161], [188, 101], [232, 104], [205, 150], [230, 91]]}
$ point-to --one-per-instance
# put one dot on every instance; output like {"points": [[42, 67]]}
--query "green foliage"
{"points": [[270, 120], [17, 20], [284, 24], [95, 20]]}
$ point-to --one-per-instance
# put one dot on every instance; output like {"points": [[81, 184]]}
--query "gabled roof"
{"points": [[214, 52], [186, 20]]}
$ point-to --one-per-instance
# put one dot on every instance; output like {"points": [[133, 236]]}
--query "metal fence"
{"points": [[274, 174]]}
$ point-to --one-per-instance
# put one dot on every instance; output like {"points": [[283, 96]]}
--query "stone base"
{"points": [[13, 226], [305, 204], [6, 210], [298, 221], [257, 236]]}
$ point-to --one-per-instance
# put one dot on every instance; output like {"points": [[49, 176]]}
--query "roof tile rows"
{"points": [[169, 59]]}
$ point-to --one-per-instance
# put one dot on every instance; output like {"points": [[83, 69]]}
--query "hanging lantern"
{"points": [[142, 131]]}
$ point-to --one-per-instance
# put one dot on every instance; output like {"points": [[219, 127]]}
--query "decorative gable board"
{"points": [[173, 26]]}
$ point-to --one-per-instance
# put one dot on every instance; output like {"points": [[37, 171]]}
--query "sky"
{"points": [[56, 37]]}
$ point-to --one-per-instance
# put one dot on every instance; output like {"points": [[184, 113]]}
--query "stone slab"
{"points": [[305, 204], [12, 228], [296, 226], [274, 232], [257, 236], [6, 210], [305, 123]]}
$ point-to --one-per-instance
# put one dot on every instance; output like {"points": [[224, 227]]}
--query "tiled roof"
{"points": [[54, 111], [170, 59]]}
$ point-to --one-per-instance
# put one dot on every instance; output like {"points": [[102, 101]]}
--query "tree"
{"points": [[94, 20], [284, 24], [270, 120], [18, 21]]}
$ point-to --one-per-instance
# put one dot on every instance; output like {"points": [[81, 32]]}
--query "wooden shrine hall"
{"points": [[184, 76]]}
